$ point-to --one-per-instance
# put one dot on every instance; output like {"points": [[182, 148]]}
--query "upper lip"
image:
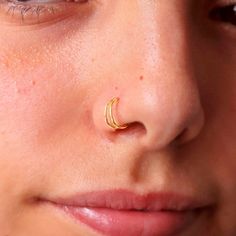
{"points": [[127, 200]]}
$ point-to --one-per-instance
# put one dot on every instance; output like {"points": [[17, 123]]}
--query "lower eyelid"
{"points": [[28, 13]]}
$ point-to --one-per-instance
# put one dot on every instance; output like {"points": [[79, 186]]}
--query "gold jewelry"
{"points": [[110, 120]]}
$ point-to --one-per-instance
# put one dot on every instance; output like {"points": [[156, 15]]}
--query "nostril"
{"points": [[134, 128]]}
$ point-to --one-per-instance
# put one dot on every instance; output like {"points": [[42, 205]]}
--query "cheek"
{"points": [[43, 107], [35, 98], [222, 131]]}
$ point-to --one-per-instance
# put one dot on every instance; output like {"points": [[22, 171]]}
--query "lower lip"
{"points": [[133, 223]]}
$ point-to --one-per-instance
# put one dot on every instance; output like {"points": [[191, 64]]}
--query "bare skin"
{"points": [[173, 68]]}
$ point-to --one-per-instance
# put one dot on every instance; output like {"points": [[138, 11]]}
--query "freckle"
{"points": [[33, 82], [116, 88], [141, 77]]}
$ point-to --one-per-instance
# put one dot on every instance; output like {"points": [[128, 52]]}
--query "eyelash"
{"points": [[23, 9], [31, 10]]}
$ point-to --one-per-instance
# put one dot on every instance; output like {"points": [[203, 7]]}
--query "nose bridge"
{"points": [[167, 95], [161, 34], [161, 53], [160, 48], [151, 36]]}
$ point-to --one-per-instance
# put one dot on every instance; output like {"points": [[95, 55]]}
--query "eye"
{"points": [[38, 11], [225, 14]]}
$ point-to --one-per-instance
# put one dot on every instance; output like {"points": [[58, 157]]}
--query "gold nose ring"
{"points": [[110, 119]]}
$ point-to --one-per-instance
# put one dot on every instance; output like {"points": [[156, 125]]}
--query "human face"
{"points": [[172, 65]]}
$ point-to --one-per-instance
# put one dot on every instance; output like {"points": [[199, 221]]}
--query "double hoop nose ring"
{"points": [[110, 119]]}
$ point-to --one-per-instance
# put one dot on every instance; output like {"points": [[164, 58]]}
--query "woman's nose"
{"points": [[168, 112], [157, 89], [161, 109]]}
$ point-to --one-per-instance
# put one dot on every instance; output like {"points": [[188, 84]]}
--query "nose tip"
{"points": [[171, 131], [167, 120], [157, 118]]}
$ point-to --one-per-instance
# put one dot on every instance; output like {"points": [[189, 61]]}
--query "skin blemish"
{"points": [[141, 78], [24, 87]]}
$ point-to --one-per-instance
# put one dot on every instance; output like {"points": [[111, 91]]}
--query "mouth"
{"points": [[122, 212]]}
